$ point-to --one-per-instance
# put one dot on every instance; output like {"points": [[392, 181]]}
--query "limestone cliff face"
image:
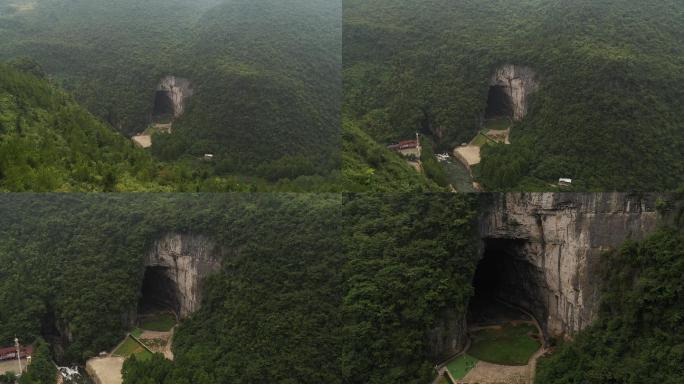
{"points": [[556, 241], [448, 336], [518, 83], [186, 260], [178, 90], [549, 247]]}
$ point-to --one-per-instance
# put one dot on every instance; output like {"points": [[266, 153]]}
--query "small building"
{"points": [[208, 157], [563, 182], [10, 353], [408, 147]]}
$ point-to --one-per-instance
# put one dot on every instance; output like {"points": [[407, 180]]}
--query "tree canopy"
{"points": [[608, 111]]}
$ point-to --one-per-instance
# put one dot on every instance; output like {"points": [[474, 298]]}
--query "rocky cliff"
{"points": [[548, 248], [185, 260], [177, 90], [518, 82], [555, 241]]}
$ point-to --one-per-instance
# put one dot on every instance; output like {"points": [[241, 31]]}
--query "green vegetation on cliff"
{"points": [[639, 334], [77, 261], [306, 282], [608, 112], [411, 259]]}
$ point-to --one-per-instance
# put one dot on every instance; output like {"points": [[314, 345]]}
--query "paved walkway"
{"points": [[489, 373]]}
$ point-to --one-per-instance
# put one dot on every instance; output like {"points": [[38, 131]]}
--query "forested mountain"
{"points": [[608, 111], [298, 299], [49, 143], [78, 262], [639, 334], [265, 74]]}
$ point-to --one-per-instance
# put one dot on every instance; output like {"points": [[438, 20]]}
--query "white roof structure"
{"points": [[564, 181]]}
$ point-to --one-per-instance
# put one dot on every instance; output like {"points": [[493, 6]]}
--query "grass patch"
{"points": [[132, 347], [509, 345], [137, 332], [481, 140], [460, 366], [162, 322]]}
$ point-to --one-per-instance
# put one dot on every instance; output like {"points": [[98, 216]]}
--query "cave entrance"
{"points": [[49, 330], [499, 103], [159, 291], [505, 284], [163, 105]]}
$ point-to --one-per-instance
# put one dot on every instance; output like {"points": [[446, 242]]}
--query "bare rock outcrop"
{"points": [[556, 241], [518, 82], [185, 259], [549, 246], [172, 93]]}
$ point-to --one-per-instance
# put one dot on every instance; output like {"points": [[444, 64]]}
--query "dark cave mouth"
{"points": [[504, 283], [499, 103], [163, 105], [159, 292]]}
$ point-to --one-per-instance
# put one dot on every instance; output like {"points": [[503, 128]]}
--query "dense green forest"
{"points": [[77, 261], [608, 112], [50, 143], [299, 299], [266, 74], [410, 258], [368, 166], [381, 330], [639, 334]]}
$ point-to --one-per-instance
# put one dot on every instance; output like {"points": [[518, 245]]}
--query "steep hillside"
{"points": [[265, 74], [300, 286], [78, 262], [269, 80], [411, 258], [49, 143], [368, 166], [355, 288], [607, 110]]}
